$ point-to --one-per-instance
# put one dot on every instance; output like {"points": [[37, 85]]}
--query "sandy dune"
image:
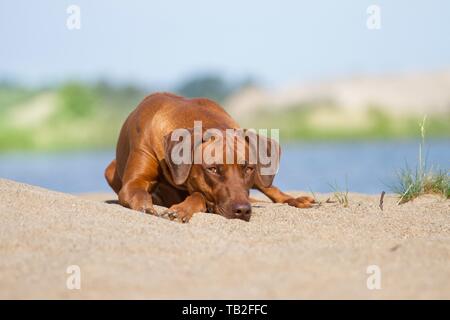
{"points": [[390, 93], [282, 253]]}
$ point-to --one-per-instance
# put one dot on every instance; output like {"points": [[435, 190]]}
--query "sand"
{"points": [[283, 252]]}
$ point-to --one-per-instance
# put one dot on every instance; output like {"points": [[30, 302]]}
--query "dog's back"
{"points": [[155, 117]]}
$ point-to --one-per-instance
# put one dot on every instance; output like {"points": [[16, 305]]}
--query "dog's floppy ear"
{"points": [[267, 153], [178, 154]]}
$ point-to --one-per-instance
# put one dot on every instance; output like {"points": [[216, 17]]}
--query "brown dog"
{"points": [[144, 173]]}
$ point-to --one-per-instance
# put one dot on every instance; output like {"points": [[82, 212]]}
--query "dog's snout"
{"points": [[242, 210]]}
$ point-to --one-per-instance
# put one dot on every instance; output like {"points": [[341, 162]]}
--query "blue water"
{"points": [[362, 166]]}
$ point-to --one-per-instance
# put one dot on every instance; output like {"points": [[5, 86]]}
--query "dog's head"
{"points": [[222, 165]]}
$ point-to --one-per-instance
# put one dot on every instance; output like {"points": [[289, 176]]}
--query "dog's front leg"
{"points": [[277, 196], [184, 211], [135, 195], [140, 177]]}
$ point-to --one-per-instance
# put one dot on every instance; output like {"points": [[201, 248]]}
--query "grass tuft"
{"points": [[412, 183], [340, 196]]}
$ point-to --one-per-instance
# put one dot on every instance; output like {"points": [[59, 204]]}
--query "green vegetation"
{"points": [[74, 115], [326, 122], [413, 183], [77, 101], [340, 196], [211, 86], [78, 115], [89, 115]]}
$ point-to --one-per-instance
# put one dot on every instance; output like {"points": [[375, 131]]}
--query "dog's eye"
{"points": [[212, 169]]}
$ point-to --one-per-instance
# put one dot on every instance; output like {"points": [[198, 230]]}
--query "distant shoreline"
{"points": [[286, 141], [309, 166]]}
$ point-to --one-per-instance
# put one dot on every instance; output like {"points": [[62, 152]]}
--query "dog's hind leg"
{"points": [[112, 178]]}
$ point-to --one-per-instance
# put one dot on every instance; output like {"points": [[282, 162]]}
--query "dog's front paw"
{"points": [[178, 213], [142, 201], [301, 202]]}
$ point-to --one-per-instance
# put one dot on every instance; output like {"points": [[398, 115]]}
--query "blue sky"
{"points": [[166, 41]]}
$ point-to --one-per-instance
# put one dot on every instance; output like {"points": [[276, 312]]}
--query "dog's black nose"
{"points": [[242, 210]]}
